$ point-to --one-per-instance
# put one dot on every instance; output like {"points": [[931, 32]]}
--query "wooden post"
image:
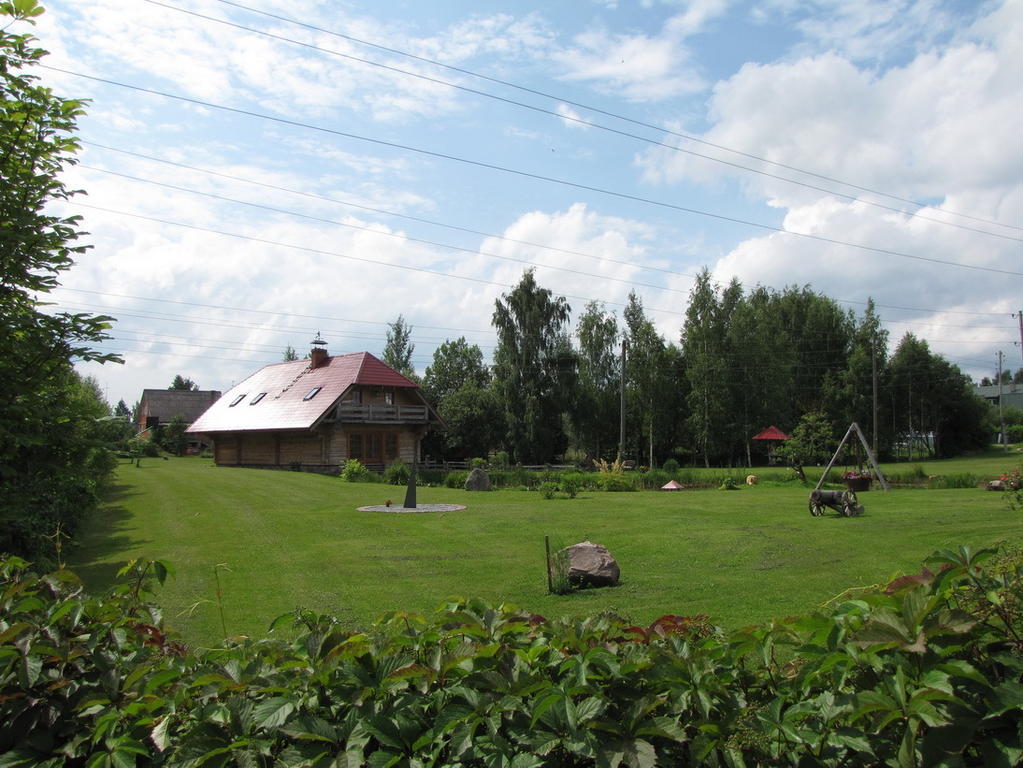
{"points": [[550, 580]]}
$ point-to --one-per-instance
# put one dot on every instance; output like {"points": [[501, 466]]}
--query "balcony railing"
{"points": [[401, 414]]}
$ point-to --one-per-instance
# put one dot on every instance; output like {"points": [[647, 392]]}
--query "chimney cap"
{"points": [[318, 341]]}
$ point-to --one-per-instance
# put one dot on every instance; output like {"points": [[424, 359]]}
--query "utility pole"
{"points": [[1001, 417], [621, 405], [1020, 316], [873, 375]]}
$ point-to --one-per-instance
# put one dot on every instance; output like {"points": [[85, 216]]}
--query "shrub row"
{"points": [[926, 671]]}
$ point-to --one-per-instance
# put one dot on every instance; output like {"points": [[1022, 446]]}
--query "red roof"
{"points": [[287, 385], [771, 433]]}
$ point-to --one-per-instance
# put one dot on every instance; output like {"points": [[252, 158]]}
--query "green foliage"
{"points": [[548, 489], [955, 480], [569, 484], [182, 383], [728, 484], [397, 473], [670, 466], [615, 483], [399, 348], [455, 479], [812, 441], [354, 471], [534, 370], [924, 671]]}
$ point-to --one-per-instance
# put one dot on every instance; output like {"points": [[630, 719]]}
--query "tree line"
{"points": [[743, 360]]}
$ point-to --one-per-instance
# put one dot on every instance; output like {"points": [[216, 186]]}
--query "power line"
{"points": [[488, 234], [386, 212], [597, 110], [318, 251], [363, 228], [534, 176]]}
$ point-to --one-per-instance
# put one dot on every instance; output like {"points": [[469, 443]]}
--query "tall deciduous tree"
{"points": [[649, 378], [398, 348], [49, 464], [595, 412], [455, 363], [708, 366], [534, 368]]}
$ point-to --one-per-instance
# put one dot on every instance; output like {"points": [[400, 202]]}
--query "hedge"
{"points": [[924, 671]]}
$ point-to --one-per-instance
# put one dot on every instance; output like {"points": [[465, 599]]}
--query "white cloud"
{"points": [[642, 67]]}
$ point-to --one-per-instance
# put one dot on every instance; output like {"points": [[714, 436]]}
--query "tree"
{"points": [[474, 421], [534, 369], [51, 465], [122, 410], [933, 408], [399, 348], [595, 412], [455, 364], [812, 442], [181, 383], [705, 346], [290, 355], [852, 391], [1018, 376]]}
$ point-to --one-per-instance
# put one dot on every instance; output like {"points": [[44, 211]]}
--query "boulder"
{"points": [[752, 479], [996, 485], [590, 565], [478, 480]]}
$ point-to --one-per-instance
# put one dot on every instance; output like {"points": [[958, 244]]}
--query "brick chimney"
{"points": [[318, 355]]}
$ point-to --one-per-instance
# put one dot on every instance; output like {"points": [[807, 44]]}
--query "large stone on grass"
{"points": [[996, 485], [478, 480], [591, 565]]}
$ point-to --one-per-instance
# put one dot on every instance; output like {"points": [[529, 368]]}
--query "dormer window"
{"points": [[236, 401], [312, 393], [257, 398]]}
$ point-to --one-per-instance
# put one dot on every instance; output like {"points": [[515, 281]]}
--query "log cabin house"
{"points": [[317, 413]]}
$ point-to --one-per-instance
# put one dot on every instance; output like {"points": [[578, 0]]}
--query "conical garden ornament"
{"points": [[410, 494]]}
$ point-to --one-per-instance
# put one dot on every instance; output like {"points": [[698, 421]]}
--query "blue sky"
{"points": [[353, 192]]}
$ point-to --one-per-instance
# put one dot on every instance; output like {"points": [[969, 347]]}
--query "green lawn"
{"points": [[288, 540]]}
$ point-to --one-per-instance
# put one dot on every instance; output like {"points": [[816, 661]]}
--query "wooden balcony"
{"points": [[384, 414]]}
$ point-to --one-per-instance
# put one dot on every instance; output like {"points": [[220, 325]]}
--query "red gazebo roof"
{"points": [[771, 433]]}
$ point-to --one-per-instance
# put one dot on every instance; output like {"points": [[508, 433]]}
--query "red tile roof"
{"points": [[771, 433], [286, 385]]}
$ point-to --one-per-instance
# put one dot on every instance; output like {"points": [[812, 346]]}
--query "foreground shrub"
{"points": [[354, 471], [925, 671], [397, 473]]}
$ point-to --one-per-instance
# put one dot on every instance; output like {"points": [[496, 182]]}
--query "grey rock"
{"points": [[996, 485], [591, 565], [478, 480]]}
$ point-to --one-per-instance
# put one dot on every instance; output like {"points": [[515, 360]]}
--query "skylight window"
{"points": [[257, 398], [236, 401], [312, 393]]}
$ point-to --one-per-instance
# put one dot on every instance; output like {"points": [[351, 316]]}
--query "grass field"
{"points": [[286, 540]]}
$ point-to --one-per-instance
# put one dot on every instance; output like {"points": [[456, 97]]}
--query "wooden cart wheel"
{"points": [[849, 504], [816, 507]]}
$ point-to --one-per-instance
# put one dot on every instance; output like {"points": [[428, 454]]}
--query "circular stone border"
{"points": [[420, 508]]}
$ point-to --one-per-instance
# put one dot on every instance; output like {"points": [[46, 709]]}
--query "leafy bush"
{"points": [[397, 473], [728, 484], [477, 463], [614, 483], [354, 471], [670, 466], [955, 480], [455, 479], [548, 489], [653, 479], [569, 485], [1015, 433], [925, 671]]}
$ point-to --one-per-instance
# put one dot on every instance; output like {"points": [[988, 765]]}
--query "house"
{"points": [[1012, 394], [159, 407], [317, 413]]}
